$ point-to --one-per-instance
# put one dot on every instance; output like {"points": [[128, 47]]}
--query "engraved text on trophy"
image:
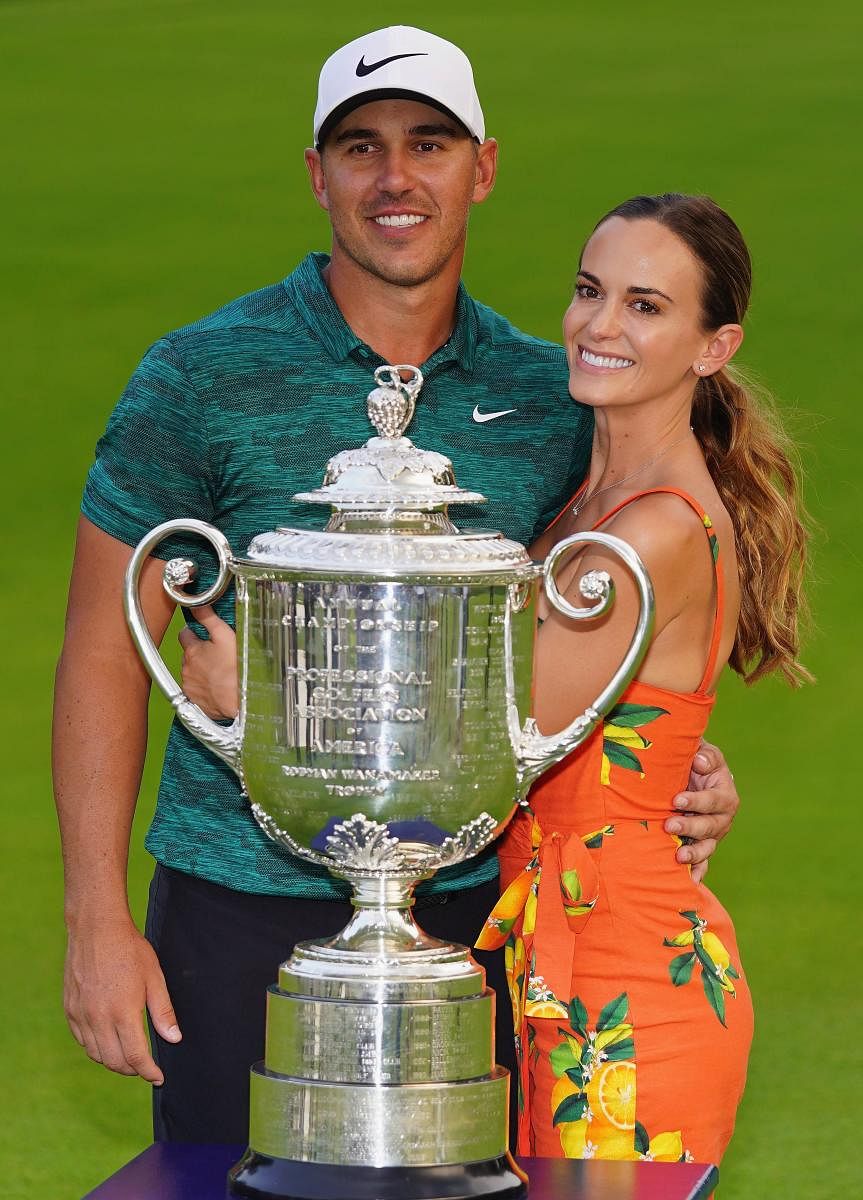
{"points": [[375, 698]]}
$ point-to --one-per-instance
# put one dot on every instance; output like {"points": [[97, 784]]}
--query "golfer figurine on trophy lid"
{"points": [[385, 678]]}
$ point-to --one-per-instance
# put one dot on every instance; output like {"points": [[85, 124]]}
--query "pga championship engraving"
{"points": [[384, 732]]}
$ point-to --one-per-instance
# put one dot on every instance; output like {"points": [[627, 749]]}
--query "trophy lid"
{"points": [[389, 471], [389, 506]]}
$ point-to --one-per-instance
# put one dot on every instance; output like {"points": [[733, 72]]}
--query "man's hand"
{"points": [[706, 810], [209, 671], [100, 737], [111, 975]]}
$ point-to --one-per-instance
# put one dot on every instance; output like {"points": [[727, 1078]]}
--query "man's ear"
{"points": [[317, 178], [721, 348], [486, 170]]}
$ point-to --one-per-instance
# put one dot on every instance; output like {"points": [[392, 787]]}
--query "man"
{"points": [[225, 420]]}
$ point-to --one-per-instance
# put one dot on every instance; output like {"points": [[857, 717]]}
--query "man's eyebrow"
{"points": [[633, 289], [357, 135], [443, 129]]}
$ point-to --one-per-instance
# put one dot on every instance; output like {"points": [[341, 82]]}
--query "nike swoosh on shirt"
{"points": [[364, 68], [481, 418]]}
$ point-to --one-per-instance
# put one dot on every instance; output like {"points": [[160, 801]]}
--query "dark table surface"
{"points": [[183, 1172]]}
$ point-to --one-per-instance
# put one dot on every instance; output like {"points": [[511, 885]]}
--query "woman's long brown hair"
{"points": [[748, 454]]}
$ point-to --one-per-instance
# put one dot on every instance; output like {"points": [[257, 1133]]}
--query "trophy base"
{"points": [[378, 1080], [259, 1177]]}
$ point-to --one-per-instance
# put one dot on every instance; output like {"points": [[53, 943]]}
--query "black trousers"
{"points": [[220, 950]]}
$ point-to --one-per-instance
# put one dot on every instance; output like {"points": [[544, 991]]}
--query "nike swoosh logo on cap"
{"points": [[481, 418], [364, 68]]}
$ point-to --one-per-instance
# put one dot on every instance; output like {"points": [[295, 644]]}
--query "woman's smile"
{"points": [[593, 361]]}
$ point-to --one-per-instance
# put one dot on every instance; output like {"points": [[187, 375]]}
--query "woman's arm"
{"points": [[575, 662], [209, 671]]}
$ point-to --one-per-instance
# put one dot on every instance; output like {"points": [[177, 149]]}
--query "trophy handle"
{"points": [[537, 752], [224, 741]]}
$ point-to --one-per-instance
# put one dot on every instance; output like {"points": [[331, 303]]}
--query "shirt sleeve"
{"points": [[152, 463]]}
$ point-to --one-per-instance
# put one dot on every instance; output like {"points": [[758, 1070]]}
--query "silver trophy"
{"points": [[385, 669]]}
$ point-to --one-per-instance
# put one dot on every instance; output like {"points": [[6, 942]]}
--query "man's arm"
{"points": [[100, 738], [707, 809]]}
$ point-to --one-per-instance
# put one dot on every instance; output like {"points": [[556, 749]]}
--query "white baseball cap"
{"points": [[399, 62]]}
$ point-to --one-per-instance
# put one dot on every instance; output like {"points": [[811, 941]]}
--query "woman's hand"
{"points": [[707, 810], [209, 671]]}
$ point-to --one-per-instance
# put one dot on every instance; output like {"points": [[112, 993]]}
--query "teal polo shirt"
{"points": [[227, 418]]}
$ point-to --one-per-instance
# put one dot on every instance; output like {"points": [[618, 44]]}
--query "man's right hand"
{"points": [[111, 975], [209, 671], [100, 737]]}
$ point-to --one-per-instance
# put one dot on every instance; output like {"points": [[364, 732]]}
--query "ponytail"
{"points": [[750, 459]]}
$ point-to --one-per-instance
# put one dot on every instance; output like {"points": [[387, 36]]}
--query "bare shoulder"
{"points": [[659, 527], [670, 538]]}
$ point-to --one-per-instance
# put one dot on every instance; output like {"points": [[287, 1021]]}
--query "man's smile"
{"points": [[399, 220]]}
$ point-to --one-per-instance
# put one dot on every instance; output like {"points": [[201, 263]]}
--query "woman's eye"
{"points": [[645, 306], [586, 290]]}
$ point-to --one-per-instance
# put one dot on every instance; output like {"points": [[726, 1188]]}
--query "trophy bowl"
{"points": [[385, 668]]}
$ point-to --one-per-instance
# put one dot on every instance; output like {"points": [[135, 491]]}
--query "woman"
{"points": [[632, 1012]]}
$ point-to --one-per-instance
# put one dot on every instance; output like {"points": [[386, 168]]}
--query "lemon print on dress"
{"points": [[708, 952], [621, 739], [616, 1093], [540, 1000], [594, 1101]]}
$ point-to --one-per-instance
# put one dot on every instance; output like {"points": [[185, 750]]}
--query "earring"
{"points": [[701, 368]]}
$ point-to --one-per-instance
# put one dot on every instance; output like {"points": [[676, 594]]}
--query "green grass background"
{"points": [[152, 169]]}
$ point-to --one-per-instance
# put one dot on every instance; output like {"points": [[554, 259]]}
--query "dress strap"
{"points": [[718, 573]]}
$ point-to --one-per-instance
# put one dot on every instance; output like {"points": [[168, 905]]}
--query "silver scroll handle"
{"points": [[535, 751], [224, 740]]}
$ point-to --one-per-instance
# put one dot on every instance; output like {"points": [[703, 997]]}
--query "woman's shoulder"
{"points": [[661, 522], [675, 537]]}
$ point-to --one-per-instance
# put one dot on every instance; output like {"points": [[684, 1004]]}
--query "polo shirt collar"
{"points": [[324, 318], [318, 309], [461, 347]]}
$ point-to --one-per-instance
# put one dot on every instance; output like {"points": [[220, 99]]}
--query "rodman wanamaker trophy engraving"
{"points": [[385, 679]]}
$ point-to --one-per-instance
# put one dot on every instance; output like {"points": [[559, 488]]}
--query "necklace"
{"points": [[588, 496]]}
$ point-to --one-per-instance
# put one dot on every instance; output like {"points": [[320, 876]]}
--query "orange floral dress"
{"points": [[632, 1015]]}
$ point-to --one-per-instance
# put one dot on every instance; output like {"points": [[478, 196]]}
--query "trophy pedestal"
{"points": [[257, 1177], [378, 1081]]}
